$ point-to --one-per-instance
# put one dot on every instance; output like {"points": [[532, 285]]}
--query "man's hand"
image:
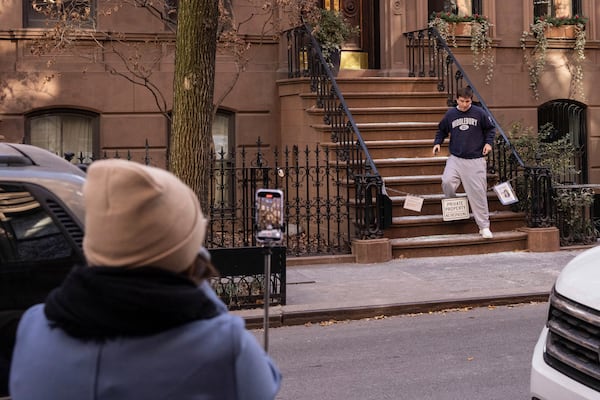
{"points": [[487, 149], [436, 149]]}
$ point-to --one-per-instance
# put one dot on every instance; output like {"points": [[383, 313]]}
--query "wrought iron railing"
{"points": [[317, 212], [305, 59]]}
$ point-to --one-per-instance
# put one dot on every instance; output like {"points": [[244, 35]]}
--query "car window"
{"points": [[39, 244], [35, 253]]}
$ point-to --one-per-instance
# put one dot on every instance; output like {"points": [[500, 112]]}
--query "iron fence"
{"points": [[317, 198], [241, 282]]}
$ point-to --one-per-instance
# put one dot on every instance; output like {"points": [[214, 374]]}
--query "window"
{"points": [[224, 168], [35, 254], [568, 118], [72, 135], [222, 130], [557, 8], [170, 13], [459, 7], [42, 13]]}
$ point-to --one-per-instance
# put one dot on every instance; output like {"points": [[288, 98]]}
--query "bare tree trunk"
{"points": [[190, 143]]}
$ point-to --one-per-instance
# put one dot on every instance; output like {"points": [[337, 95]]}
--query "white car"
{"points": [[566, 359]]}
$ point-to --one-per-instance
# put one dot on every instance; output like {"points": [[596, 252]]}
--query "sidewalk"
{"points": [[401, 286]]}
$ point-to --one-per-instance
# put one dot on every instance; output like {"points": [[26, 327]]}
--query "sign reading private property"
{"points": [[455, 208]]}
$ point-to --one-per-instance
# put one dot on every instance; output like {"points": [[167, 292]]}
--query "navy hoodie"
{"points": [[469, 131]]}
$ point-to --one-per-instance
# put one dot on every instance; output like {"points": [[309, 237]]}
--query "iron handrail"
{"points": [[338, 93], [444, 45], [372, 205]]}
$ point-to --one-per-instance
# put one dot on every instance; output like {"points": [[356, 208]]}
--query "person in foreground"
{"points": [[141, 321], [471, 138]]}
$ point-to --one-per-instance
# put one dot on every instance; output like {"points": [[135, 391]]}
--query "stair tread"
{"points": [[410, 160], [433, 93], [433, 197], [452, 239], [412, 178], [402, 108], [410, 79], [436, 218], [426, 197], [379, 125], [383, 109], [399, 142]]}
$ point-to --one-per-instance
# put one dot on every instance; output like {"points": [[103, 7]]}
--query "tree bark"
{"points": [[190, 142]]}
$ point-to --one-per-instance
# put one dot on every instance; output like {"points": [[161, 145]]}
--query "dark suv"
{"points": [[41, 232]]}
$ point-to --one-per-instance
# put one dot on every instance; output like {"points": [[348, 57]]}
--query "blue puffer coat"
{"points": [[206, 359]]}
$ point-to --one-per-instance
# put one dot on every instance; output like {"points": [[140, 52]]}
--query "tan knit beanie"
{"points": [[140, 216]]}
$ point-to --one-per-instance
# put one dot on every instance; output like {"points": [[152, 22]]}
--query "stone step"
{"points": [[404, 166], [387, 99], [400, 148], [424, 225], [432, 204], [417, 184], [397, 149], [458, 244], [388, 114], [390, 130], [399, 152], [386, 84]]}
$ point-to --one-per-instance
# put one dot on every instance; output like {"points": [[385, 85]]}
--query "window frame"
{"points": [[34, 19], [224, 185], [94, 123], [476, 7], [544, 8]]}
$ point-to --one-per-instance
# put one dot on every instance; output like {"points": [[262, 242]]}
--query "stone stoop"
{"points": [[398, 118]]}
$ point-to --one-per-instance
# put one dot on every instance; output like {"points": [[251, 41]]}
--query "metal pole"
{"points": [[267, 292]]}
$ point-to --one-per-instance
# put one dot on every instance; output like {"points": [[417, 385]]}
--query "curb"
{"points": [[291, 318]]}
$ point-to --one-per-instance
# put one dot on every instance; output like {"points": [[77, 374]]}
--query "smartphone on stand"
{"points": [[269, 215], [269, 231]]}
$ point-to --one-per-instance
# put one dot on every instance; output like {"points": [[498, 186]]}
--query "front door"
{"points": [[361, 52]]}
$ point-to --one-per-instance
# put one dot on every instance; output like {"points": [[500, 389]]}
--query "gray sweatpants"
{"points": [[473, 175]]}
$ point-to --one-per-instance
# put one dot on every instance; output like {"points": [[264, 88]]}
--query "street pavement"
{"points": [[323, 292]]}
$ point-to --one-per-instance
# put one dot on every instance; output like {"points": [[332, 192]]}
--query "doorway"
{"points": [[362, 51]]}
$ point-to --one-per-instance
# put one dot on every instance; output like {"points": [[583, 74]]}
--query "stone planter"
{"points": [[560, 32], [461, 29]]}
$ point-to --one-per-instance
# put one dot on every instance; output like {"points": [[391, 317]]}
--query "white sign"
{"points": [[505, 193], [455, 208], [413, 203]]}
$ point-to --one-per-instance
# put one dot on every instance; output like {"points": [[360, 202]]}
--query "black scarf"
{"points": [[104, 302]]}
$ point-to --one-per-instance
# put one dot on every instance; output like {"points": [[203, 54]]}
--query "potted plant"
{"points": [[331, 30], [544, 28], [477, 27]]}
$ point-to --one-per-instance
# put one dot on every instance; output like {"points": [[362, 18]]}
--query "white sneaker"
{"points": [[486, 233]]}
